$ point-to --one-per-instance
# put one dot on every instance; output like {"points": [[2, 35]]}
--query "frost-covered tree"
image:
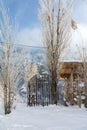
{"points": [[9, 63], [30, 72], [55, 17], [83, 56]]}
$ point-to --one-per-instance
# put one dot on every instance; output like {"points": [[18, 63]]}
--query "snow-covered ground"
{"points": [[44, 118]]}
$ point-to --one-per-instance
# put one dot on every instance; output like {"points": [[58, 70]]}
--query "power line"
{"points": [[29, 46], [41, 47], [37, 42]]}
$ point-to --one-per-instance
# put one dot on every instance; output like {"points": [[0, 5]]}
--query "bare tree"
{"points": [[55, 16], [9, 62], [83, 57], [85, 74], [30, 72]]}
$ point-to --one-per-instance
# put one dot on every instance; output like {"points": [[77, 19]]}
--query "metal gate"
{"points": [[39, 90]]}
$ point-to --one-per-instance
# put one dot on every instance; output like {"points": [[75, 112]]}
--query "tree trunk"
{"points": [[54, 94], [79, 93], [86, 94], [5, 98], [66, 89], [28, 94], [72, 90], [9, 98], [7, 108]]}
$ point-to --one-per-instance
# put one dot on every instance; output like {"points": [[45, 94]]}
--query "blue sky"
{"points": [[25, 14], [80, 11], [26, 11]]}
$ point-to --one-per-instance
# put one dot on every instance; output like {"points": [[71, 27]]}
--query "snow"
{"points": [[82, 84], [44, 118]]}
